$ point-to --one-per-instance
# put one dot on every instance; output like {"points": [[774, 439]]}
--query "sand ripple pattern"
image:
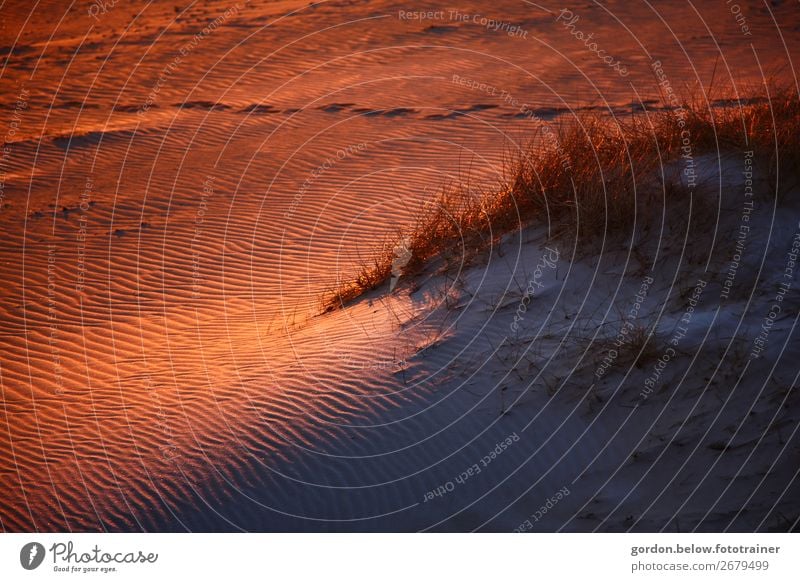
{"points": [[182, 184]]}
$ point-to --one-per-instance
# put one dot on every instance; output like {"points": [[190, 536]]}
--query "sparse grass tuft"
{"points": [[590, 178]]}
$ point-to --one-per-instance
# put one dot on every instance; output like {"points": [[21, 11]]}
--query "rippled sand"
{"points": [[178, 194]]}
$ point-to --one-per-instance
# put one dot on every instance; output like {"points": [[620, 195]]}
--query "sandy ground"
{"points": [[176, 198]]}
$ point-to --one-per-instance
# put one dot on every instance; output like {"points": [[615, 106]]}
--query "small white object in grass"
{"points": [[402, 255]]}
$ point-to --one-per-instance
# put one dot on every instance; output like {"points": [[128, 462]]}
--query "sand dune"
{"points": [[165, 365]]}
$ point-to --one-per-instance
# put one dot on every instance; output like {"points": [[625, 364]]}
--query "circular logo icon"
{"points": [[31, 555]]}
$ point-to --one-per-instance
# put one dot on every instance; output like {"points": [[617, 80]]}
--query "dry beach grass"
{"points": [[591, 178]]}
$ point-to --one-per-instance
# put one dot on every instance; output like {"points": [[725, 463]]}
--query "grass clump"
{"points": [[591, 177]]}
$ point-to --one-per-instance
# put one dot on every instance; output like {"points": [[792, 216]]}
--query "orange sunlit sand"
{"points": [[280, 266]]}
